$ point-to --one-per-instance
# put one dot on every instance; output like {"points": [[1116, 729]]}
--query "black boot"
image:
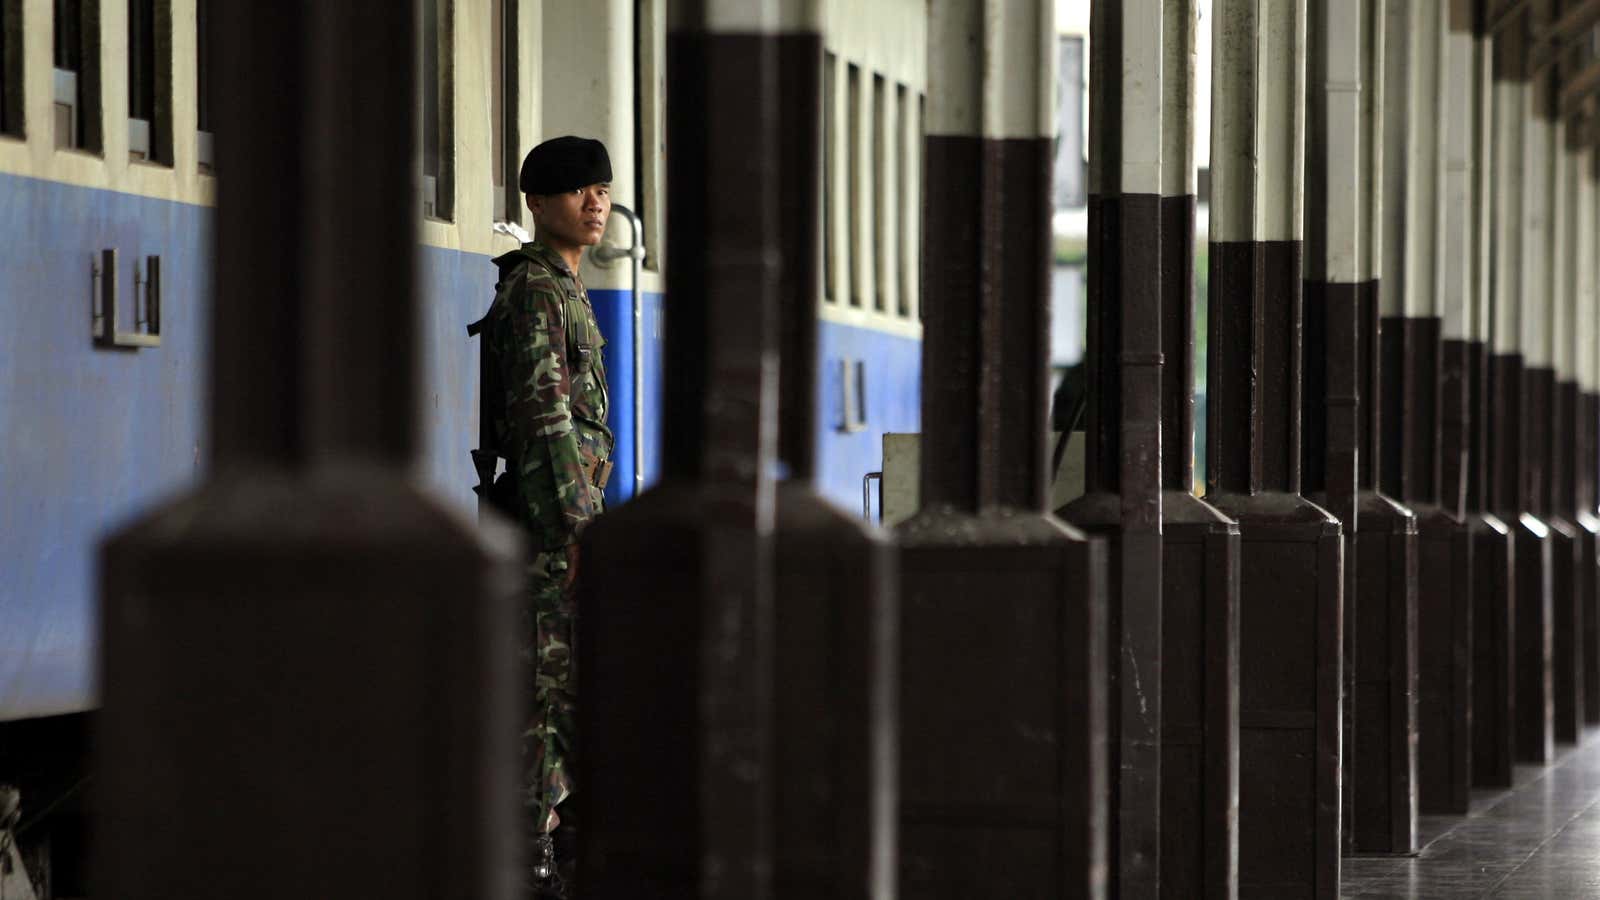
{"points": [[544, 881]]}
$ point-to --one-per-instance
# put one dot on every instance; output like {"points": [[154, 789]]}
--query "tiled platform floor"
{"points": [[1541, 839]]}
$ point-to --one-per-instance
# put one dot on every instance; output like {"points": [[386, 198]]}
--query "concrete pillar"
{"points": [[1493, 550], [1200, 546], [679, 706], [1568, 537], [1536, 559], [1140, 59], [1291, 550], [1519, 165], [309, 675], [1587, 443], [1497, 97], [1445, 559], [1003, 790], [1380, 767], [1342, 211], [835, 691]]}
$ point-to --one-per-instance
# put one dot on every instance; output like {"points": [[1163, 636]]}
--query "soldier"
{"points": [[549, 422]]}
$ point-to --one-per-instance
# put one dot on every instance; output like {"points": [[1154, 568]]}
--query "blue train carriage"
{"points": [[874, 83]]}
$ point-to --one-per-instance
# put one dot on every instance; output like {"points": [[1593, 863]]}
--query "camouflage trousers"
{"points": [[549, 742]]}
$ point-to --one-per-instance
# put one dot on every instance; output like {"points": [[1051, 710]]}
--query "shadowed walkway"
{"points": [[1539, 839]]}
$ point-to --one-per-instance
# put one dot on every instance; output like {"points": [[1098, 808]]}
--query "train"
{"points": [[108, 184]]}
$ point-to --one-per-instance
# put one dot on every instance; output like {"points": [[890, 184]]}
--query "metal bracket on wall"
{"points": [[146, 303], [853, 382]]}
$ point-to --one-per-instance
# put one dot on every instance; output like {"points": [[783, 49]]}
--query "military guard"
{"points": [[545, 405]]}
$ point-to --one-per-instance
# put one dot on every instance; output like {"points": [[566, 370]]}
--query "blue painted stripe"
{"points": [[90, 438]]}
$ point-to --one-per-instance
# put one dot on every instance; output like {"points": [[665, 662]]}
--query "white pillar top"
{"points": [[1584, 316], [1538, 166], [1510, 110], [1181, 21], [996, 76], [1399, 138], [1374, 40], [1453, 294], [1258, 119], [1423, 110], [1563, 269], [1483, 195], [1335, 99]]}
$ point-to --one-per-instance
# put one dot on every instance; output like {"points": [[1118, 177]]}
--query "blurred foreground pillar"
{"points": [[676, 645], [1003, 786], [309, 678]]}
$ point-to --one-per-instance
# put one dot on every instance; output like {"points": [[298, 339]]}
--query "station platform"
{"points": [[1538, 839]]}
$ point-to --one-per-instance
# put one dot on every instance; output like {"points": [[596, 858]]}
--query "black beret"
{"points": [[563, 164]]}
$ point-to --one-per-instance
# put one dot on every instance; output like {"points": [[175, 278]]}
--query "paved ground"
{"points": [[1541, 839]]}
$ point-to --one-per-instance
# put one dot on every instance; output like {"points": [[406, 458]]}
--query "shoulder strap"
{"points": [[486, 458]]}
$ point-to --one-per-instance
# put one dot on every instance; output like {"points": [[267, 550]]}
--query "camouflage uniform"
{"points": [[546, 347]]}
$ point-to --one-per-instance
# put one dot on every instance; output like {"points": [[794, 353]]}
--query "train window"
{"points": [[76, 90], [911, 208], [503, 105], [205, 143], [882, 200], [856, 185], [149, 81], [830, 128], [438, 109], [905, 137], [11, 68]]}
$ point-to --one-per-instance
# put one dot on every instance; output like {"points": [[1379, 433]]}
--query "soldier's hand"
{"points": [[572, 567]]}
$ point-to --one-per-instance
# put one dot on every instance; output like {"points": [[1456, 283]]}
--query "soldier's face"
{"points": [[577, 217]]}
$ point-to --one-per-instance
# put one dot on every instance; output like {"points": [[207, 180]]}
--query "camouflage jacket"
{"points": [[551, 427]]}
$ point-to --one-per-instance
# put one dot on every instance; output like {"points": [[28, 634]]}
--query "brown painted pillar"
{"points": [[1569, 538], [1438, 495], [680, 711], [1129, 127], [1380, 767], [1291, 574], [834, 610], [310, 685], [1536, 554], [1493, 547], [1003, 785]]}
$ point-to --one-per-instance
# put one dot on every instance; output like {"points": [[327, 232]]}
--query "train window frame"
{"points": [[882, 202], [436, 106], [912, 103], [77, 91], [855, 187], [13, 109], [505, 124], [830, 175], [149, 54], [204, 83]]}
